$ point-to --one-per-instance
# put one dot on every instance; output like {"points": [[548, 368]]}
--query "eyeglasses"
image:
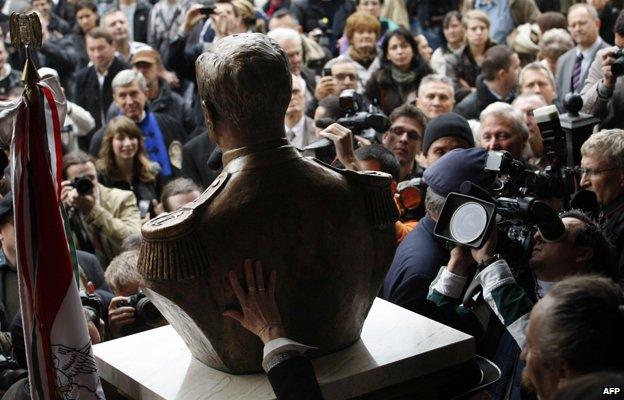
{"points": [[592, 172], [399, 131]]}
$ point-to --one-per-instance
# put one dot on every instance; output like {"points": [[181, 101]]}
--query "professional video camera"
{"points": [[83, 185], [146, 314], [468, 217], [517, 180]]}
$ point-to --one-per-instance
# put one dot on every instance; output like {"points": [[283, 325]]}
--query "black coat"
{"points": [[384, 92], [294, 379], [141, 21], [472, 105], [88, 95], [614, 228], [195, 154]]}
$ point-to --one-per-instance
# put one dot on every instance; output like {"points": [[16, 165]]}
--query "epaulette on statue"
{"points": [[375, 189], [170, 249]]}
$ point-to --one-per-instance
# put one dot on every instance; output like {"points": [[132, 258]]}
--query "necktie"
{"points": [[576, 73]]}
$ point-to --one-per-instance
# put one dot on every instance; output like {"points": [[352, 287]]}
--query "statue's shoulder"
{"points": [[171, 248], [173, 224], [374, 188]]}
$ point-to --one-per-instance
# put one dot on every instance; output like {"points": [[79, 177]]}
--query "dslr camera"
{"points": [[92, 307], [617, 68], [83, 185], [146, 314]]}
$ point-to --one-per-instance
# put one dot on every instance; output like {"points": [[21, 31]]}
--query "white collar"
{"points": [[543, 287]]}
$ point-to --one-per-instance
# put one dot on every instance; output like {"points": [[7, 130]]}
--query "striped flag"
{"points": [[58, 349]]}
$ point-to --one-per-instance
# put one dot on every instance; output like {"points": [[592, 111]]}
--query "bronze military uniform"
{"points": [[328, 233]]}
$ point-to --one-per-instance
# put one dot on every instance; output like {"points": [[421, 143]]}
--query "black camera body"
{"points": [[92, 306], [83, 185], [145, 311], [468, 217], [617, 68]]}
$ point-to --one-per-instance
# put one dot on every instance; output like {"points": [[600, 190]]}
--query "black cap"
{"points": [[449, 124], [451, 170], [6, 205]]}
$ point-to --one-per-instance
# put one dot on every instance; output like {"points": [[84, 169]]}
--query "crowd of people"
{"points": [[454, 82]]}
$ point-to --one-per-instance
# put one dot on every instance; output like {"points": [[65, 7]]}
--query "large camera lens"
{"points": [[468, 222], [83, 185], [147, 312], [617, 68]]}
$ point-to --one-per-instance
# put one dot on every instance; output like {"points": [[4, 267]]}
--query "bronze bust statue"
{"points": [[329, 233]]}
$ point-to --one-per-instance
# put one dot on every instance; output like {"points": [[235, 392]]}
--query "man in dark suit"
{"points": [[93, 90], [195, 155], [573, 66]]}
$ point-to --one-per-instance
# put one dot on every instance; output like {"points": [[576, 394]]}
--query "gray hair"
{"points": [[127, 77], [434, 203], [609, 144], [123, 272], [281, 35], [583, 324], [530, 96], [588, 7], [537, 66], [437, 78], [555, 42], [509, 113]]}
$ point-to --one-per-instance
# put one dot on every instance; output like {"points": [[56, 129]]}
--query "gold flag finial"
{"points": [[26, 31]]}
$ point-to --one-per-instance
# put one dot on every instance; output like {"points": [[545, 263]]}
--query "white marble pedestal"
{"points": [[396, 346]]}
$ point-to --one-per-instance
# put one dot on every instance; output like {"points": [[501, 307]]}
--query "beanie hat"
{"points": [[449, 124]]}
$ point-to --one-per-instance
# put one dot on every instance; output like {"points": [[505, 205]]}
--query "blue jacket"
{"points": [[416, 263]]}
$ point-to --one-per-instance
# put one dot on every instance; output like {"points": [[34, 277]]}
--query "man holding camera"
{"points": [[509, 296], [101, 217], [603, 92]]}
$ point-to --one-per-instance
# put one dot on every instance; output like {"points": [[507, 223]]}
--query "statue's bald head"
{"points": [[244, 80]]}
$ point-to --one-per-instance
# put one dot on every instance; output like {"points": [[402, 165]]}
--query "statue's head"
{"points": [[244, 81]]}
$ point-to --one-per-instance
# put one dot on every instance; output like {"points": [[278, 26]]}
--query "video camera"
{"points": [[468, 217]]}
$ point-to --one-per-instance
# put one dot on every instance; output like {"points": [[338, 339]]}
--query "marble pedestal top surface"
{"points": [[396, 345]]}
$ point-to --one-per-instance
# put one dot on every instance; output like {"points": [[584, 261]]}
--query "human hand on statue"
{"points": [[343, 140], [119, 315], [260, 314]]}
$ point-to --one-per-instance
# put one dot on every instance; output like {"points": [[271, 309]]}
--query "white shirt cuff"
{"points": [[450, 284], [276, 347]]}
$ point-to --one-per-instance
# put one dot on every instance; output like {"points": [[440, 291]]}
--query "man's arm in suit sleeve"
{"points": [[595, 94]]}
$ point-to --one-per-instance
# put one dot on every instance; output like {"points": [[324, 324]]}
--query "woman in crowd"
{"points": [[401, 70], [424, 50], [454, 33], [362, 32], [123, 163], [87, 18], [465, 67], [553, 44]]}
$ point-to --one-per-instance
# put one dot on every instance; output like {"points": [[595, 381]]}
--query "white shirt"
{"points": [[588, 56]]}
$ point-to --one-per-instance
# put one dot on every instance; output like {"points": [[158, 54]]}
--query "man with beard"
{"points": [[404, 138]]}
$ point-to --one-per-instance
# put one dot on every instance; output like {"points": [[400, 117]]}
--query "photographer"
{"points": [[603, 92], [583, 250], [100, 217], [602, 168], [129, 311]]}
